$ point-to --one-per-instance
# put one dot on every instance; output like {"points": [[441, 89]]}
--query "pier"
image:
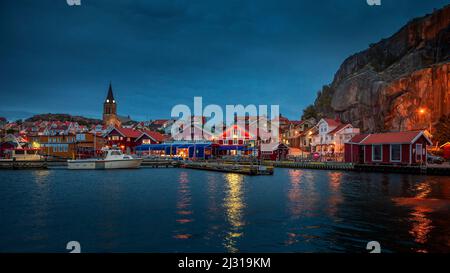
{"points": [[246, 169], [312, 165], [425, 170], [249, 168], [23, 164], [159, 163]]}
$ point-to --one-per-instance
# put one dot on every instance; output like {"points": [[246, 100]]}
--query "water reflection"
{"points": [[422, 206], [334, 198], [234, 209], [295, 193], [40, 204], [41, 177], [295, 204], [213, 206], [292, 211], [214, 209], [110, 217], [184, 212], [422, 225]]}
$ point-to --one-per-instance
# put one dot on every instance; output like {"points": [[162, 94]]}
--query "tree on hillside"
{"points": [[309, 112], [441, 132]]}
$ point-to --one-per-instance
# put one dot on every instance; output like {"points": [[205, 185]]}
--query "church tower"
{"points": [[110, 110]]}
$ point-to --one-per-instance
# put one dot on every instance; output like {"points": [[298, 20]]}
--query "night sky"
{"points": [[60, 59]]}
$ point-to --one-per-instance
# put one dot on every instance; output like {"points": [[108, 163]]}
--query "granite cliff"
{"points": [[382, 88]]}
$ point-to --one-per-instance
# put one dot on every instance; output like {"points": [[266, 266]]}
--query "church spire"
{"points": [[110, 97]]}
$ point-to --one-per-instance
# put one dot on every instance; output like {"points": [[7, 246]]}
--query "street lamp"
{"points": [[423, 111]]}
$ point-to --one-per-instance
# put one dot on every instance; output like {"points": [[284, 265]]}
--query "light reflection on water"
{"points": [[234, 206], [184, 212], [168, 210]]}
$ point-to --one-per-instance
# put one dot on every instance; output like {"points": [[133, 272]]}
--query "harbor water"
{"points": [[182, 210]]}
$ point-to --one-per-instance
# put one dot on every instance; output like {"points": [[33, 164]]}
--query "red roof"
{"points": [[296, 122], [393, 138], [337, 129], [445, 145], [160, 121], [155, 135], [128, 132], [332, 122], [358, 138]]}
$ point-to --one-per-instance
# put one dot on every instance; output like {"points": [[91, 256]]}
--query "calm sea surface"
{"points": [[178, 210]]}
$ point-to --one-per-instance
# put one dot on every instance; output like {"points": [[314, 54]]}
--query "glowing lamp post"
{"points": [[423, 111]]}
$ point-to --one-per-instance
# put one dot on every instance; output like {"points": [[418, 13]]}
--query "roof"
{"points": [[270, 147], [128, 132], [445, 145], [296, 122], [110, 95], [160, 121], [394, 138], [337, 129], [358, 138], [164, 146], [284, 119], [154, 135], [332, 122]]}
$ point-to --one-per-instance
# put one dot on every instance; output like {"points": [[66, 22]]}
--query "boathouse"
{"points": [[191, 150], [127, 138], [273, 151], [395, 148]]}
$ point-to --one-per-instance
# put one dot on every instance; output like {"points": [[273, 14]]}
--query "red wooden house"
{"points": [[127, 139], [446, 150], [396, 148], [273, 151], [236, 140], [150, 137]]}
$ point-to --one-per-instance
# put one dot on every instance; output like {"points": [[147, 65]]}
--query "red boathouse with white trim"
{"points": [[395, 148]]}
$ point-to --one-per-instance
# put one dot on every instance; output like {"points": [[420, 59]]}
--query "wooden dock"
{"points": [[247, 169], [159, 163], [19, 165], [424, 170], [312, 165]]}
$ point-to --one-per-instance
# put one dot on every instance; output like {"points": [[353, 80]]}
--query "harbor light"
{"points": [[36, 145]]}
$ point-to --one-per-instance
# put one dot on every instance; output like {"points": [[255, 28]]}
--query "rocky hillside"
{"points": [[64, 118], [382, 88]]}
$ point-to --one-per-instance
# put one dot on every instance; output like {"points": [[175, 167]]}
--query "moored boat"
{"points": [[113, 159]]}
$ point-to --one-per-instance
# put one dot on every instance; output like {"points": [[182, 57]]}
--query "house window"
{"points": [[418, 152], [377, 152], [396, 152]]}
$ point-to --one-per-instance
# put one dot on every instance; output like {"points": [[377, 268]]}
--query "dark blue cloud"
{"points": [[57, 58]]}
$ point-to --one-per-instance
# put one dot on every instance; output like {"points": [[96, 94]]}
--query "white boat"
{"points": [[113, 159]]}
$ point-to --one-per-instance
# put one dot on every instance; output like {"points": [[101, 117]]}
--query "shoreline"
{"points": [[440, 170]]}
